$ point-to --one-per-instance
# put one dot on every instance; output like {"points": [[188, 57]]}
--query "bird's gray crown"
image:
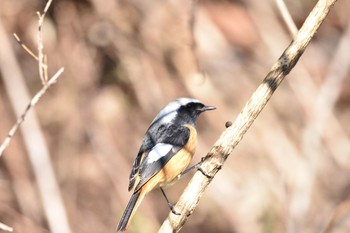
{"points": [[169, 112]]}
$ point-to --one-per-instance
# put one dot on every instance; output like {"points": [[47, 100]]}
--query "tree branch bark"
{"points": [[228, 140]]}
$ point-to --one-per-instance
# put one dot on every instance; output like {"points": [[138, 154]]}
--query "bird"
{"points": [[166, 151]]}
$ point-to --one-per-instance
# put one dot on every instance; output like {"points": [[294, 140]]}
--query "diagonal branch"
{"points": [[228, 140]]}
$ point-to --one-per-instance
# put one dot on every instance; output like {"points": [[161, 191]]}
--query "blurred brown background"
{"points": [[124, 60]]}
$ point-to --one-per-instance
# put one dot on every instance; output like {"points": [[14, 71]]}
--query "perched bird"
{"points": [[166, 151]]}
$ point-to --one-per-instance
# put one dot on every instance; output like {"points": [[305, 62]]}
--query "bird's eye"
{"points": [[190, 105]]}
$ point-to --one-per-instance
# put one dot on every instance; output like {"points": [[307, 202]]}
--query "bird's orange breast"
{"points": [[177, 164]]}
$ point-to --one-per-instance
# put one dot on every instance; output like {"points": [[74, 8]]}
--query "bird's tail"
{"points": [[129, 212]]}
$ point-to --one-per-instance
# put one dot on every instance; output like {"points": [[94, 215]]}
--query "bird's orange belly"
{"points": [[178, 163]]}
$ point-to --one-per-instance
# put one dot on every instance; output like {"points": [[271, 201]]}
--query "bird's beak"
{"points": [[208, 108]]}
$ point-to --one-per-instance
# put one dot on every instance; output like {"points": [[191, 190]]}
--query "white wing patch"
{"points": [[158, 151]]}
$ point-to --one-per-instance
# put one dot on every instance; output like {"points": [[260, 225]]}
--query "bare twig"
{"points": [[32, 103], [30, 52], [42, 61], [41, 56], [4, 227], [32, 135], [287, 17], [224, 146]]}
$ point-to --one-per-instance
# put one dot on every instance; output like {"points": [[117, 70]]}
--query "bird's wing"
{"points": [[169, 139], [135, 169]]}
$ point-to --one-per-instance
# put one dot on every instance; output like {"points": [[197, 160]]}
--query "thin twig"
{"points": [[42, 61], [32, 135], [4, 227], [224, 146], [30, 52], [287, 17], [32, 103], [41, 56]]}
